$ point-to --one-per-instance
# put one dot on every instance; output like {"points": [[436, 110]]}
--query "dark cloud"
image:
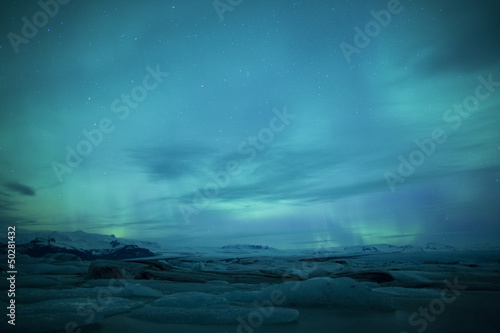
{"points": [[172, 162], [20, 188]]}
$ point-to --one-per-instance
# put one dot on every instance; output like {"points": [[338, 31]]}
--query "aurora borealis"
{"points": [[162, 121]]}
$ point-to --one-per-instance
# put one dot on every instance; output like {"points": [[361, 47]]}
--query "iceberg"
{"points": [[220, 316], [325, 291]]}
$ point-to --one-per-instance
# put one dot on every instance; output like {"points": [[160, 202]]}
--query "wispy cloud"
{"points": [[166, 163], [20, 188]]}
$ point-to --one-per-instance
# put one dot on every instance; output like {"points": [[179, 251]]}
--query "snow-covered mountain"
{"points": [[438, 247], [247, 247], [88, 246], [383, 248], [80, 239]]}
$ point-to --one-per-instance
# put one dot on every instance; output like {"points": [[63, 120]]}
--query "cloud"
{"points": [[20, 188], [166, 163], [6, 205], [301, 177]]}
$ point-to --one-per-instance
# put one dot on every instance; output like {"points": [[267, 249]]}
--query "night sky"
{"points": [[294, 124]]}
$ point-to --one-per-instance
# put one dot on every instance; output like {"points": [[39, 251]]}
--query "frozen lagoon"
{"points": [[244, 290]]}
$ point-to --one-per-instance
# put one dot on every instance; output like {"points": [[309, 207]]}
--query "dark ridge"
{"points": [[38, 249], [247, 247]]}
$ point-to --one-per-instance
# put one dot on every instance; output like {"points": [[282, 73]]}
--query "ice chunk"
{"points": [[83, 307], [49, 269], [137, 289], [410, 277], [222, 315], [324, 291], [198, 307], [31, 295], [407, 292], [244, 296], [54, 322], [54, 315], [198, 267], [191, 300], [37, 281]]}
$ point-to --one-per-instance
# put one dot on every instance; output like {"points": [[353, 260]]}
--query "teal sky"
{"points": [[270, 122]]}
